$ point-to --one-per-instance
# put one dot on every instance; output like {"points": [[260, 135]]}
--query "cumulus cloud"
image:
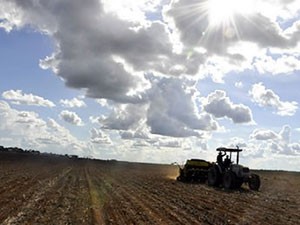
{"points": [[96, 119], [18, 97], [239, 84], [169, 144], [275, 142], [99, 137], [141, 144], [19, 122], [173, 110], [134, 11], [170, 110], [260, 134], [160, 142], [61, 137], [99, 59], [99, 51], [140, 133], [105, 50], [219, 105], [71, 117], [72, 103], [103, 102], [267, 98], [26, 129], [286, 64], [236, 38], [295, 147], [123, 117], [192, 20]]}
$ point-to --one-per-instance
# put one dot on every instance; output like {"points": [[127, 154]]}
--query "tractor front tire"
{"points": [[254, 182], [229, 180], [214, 176]]}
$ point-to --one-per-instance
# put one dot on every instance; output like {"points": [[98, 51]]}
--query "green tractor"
{"points": [[229, 174], [194, 170]]}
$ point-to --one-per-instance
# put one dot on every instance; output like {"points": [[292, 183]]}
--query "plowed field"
{"points": [[57, 190]]}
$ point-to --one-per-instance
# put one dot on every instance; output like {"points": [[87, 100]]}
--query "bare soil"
{"points": [[56, 190]]}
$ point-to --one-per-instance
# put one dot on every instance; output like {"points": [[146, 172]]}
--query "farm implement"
{"points": [[226, 173]]}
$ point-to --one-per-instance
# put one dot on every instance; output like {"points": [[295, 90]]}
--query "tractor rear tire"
{"points": [[214, 176], [254, 182], [238, 183], [229, 180]]}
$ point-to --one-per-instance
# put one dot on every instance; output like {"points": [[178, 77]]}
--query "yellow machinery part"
{"points": [[197, 163]]}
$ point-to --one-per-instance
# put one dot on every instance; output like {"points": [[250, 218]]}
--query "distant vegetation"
{"points": [[18, 150], [31, 152]]}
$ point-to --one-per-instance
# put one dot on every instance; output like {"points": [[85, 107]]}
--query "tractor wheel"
{"points": [[229, 180], [202, 178], [189, 176], [214, 176], [238, 183], [254, 182]]}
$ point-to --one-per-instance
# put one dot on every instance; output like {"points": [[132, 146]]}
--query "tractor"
{"points": [[229, 174], [194, 170]]}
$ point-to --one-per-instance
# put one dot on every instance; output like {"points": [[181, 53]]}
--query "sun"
{"points": [[222, 12]]}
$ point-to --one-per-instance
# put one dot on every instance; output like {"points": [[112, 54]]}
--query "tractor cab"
{"points": [[227, 162]]}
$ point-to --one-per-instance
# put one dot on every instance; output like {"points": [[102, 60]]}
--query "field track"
{"points": [[57, 190]]}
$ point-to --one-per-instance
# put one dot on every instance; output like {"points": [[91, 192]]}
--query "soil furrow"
{"points": [[60, 190]]}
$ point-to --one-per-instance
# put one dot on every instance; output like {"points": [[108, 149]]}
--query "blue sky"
{"points": [[152, 81]]}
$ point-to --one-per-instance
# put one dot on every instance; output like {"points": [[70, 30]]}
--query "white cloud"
{"points": [[144, 36], [285, 64], [103, 102], [219, 105], [6, 25], [96, 119], [173, 110], [131, 10], [123, 117], [260, 134], [50, 62], [141, 143], [275, 142], [71, 117], [295, 147], [99, 137], [27, 130], [140, 133], [267, 98], [196, 27], [72, 103], [90, 62], [237, 39], [19, 122], [173, 143], [239, 84], [11, 17], [18, 97]]}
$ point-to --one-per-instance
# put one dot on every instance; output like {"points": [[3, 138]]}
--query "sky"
{"points": [[157, 81]]}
